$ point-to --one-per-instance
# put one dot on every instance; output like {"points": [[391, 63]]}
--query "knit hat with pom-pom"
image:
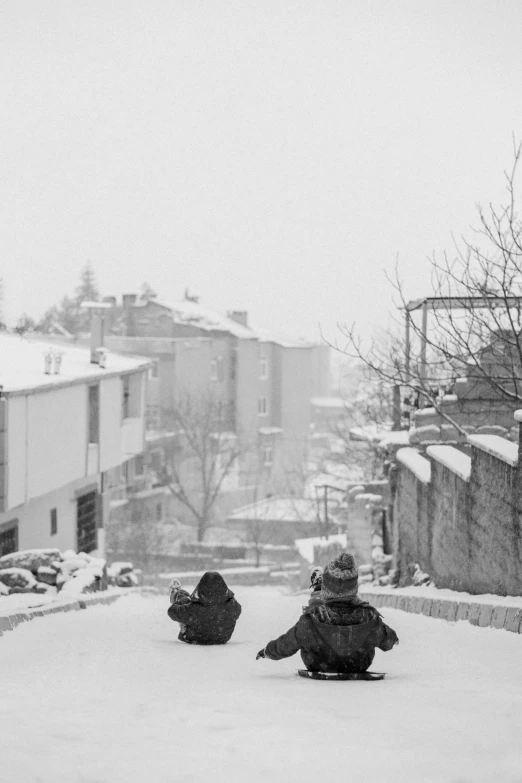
{"points": [[340, 577]]}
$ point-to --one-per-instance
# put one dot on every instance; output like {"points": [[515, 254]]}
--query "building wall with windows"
{"points": [[58, 433]]}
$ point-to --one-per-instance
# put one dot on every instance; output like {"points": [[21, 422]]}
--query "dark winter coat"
{"points": [[209, 615], [335, 636]]}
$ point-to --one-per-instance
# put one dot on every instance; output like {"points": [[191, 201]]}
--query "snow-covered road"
{"points": [[109, 695]]}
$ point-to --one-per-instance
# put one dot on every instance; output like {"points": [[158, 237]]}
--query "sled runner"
{"points": [[341, 675]]}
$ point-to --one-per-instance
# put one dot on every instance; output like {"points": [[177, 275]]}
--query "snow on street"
{"points": [[108, 695]]}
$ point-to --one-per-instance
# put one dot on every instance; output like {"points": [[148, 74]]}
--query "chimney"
{"points": [[128, 300], [97, 310], [239, 316]]}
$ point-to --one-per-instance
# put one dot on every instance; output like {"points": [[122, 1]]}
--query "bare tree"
{"points": [[475, 316], [206, 460]]}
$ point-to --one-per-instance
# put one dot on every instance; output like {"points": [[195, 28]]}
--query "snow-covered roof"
{"points": [[451, 458], [306, 546], [496, 446], [193, 314], [189, 313], [337, 403], [22, 364], [284, 341], [395, 438], [277, 510], [415, 462]]}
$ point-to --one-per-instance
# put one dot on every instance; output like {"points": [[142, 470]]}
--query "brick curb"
{"points": [[11, 621], [508, 618]]}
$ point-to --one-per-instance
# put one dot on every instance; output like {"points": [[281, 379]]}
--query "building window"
{"points": [[131, 396], [125, 398], [8, 537], [263, 368], [159, 512], [54, 521], [262, 406], [220, 369], [153, 417], [233, 365], [94, 414], [268, 452], [154, 370], [217, 370], [139, 465], [156, 460]]}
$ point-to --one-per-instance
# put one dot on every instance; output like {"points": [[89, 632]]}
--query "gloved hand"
{"points": [[316, 576], [261, 654]]}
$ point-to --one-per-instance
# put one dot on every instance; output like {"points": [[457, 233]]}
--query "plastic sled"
{"points": [[341, 675]]}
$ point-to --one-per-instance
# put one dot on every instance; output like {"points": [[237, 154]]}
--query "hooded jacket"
{"points": [[209, 615], [336, 636]]}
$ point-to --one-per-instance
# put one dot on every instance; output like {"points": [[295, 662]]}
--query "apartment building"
{"points": [[68, 416], [265, 382]]}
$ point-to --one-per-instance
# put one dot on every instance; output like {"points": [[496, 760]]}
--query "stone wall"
{"points": [[463, 530], [495, 564]]}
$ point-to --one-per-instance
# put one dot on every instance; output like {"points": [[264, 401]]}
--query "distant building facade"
{"points": [[66, 422], [265, 383]]}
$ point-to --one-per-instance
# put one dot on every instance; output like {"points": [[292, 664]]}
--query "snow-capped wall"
{"points": [[415, 462], [453, 459], [459, 521]]}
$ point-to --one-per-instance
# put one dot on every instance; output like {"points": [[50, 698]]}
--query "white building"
{"points": [[64, 420]]}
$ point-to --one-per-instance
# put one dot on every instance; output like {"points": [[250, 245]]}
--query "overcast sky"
{"points": [[271, 156]]}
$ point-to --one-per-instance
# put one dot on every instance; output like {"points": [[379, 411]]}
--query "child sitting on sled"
{"points": [[209, 615], [339, 634]]}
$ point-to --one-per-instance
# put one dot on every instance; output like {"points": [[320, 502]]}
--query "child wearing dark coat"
{"points": [[340, 633], [209, 615]]}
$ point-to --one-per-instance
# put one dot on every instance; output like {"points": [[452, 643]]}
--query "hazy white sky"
{"points": [[273, 156]]}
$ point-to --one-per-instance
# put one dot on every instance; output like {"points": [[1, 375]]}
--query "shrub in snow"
{"points": [[47, 574], [4, 590], [127, 580], [85, 580], [18, 580], [420, 577], [41, 587], [120, 568], [30, 559]]}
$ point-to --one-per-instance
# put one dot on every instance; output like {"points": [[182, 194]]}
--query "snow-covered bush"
{"points": [[18, 580], [69, 572], [30, 559], [122, 574]]}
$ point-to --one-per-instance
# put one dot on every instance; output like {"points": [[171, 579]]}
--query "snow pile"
{"points": [[453, 459], [49, 571], [123, 574], [501, 448], [418, 464]]}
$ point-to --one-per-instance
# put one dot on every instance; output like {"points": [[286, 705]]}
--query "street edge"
{"points": [[9, 622], [501, 617]]}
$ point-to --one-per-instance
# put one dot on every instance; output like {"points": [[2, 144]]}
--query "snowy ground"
{"points": [[108, 695]]}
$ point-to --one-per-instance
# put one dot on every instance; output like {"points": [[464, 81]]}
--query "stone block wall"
{"points": [[465, 533], [495, 564], [413, 541], [448, 512]]}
